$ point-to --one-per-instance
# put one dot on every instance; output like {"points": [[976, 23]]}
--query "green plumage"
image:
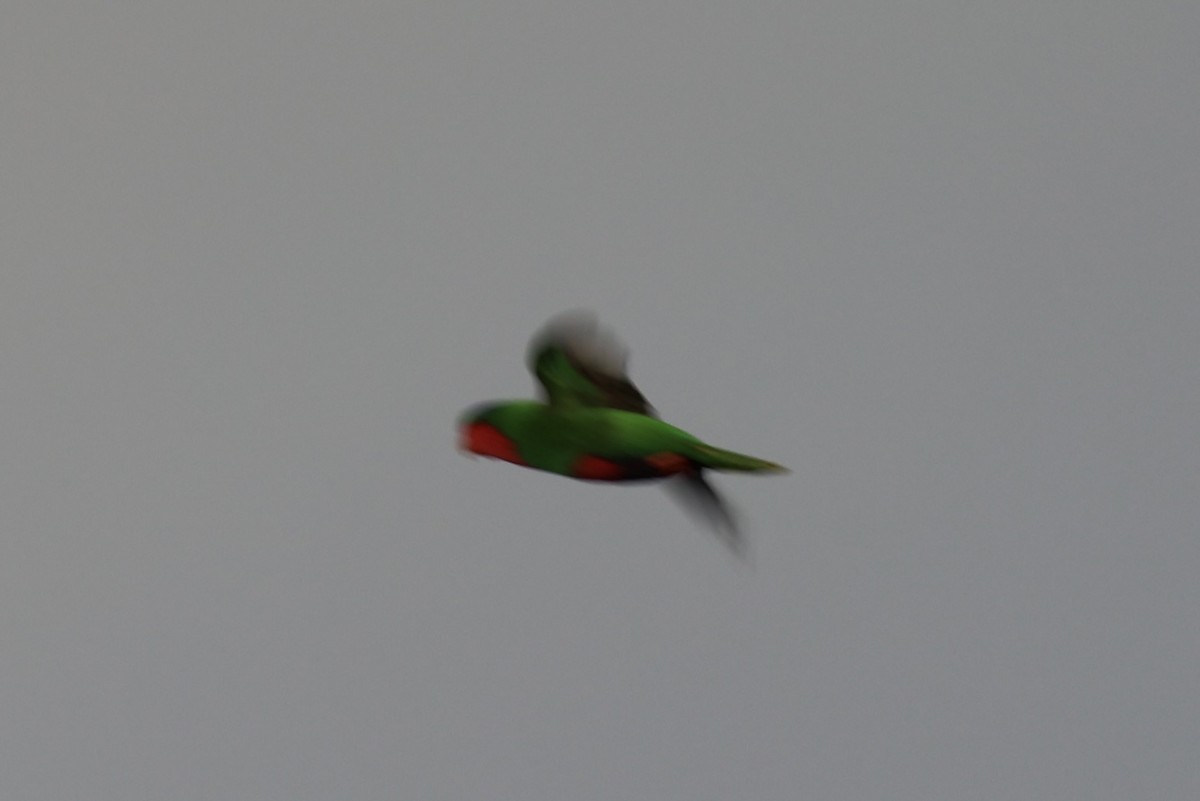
{"points": [[596, 424], [553, 439]]}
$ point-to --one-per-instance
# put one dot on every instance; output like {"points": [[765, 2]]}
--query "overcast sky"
{"points": [[939, 258]]}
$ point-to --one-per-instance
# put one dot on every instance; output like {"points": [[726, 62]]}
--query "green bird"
{"points": [[595, 425]]}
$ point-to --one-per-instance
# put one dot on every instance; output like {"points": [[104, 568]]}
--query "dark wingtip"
{"points": [[561, 329], [578, 332], [701, 501]]}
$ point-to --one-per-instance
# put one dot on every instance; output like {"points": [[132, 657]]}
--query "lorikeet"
{"points": [[596, 425]]}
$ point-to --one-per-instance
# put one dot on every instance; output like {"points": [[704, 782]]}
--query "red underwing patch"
{"points": [[667, 463], [487, 440], [597, 469]]}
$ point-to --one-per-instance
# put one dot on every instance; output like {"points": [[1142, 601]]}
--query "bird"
{"points": [[593, 424]]}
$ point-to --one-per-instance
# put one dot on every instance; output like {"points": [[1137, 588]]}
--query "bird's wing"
{"points": [[702, 500], [580, 364]]}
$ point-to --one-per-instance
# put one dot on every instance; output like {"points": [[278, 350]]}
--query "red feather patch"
{"points": [[668, 463], [656, 465], [487, 440], [597, 469]]}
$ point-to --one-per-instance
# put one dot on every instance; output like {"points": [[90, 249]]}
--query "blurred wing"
{"points": [[580, 364], [701, 500]]}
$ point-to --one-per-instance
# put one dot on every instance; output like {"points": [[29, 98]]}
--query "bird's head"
{"points": [[480, 431]]}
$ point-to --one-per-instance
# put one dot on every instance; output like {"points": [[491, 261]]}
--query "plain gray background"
{"points": [[939, 258]]}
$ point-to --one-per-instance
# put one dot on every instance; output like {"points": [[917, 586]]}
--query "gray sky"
{"points": [[939, 258]]}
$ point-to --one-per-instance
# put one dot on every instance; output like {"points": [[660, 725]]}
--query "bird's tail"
{"points": [[718, 459]]}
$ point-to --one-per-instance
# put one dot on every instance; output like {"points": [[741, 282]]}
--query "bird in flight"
{"points": [[594, 424]]}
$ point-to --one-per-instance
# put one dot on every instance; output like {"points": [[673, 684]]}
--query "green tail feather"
{"points": [[718, 459]]}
